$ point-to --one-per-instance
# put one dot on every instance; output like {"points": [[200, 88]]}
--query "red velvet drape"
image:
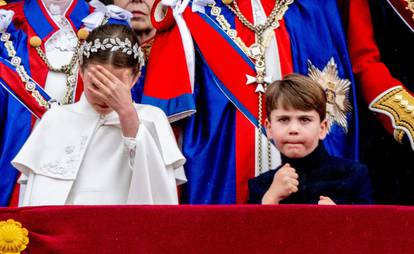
{"points": [[217, 229]]}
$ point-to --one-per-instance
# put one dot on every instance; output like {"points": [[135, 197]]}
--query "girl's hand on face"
{"points": [[116, 94], [111, 90]]}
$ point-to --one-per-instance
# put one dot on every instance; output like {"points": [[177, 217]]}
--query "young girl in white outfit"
{"points": [[103, 149]]}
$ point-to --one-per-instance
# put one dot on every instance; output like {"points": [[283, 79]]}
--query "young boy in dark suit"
{"points": [[296, 121]]}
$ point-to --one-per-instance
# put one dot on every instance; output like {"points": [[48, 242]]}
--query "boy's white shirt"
{"points": [[59, 151]]}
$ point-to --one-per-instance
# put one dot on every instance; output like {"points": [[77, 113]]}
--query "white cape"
{"points": [[52, 156]]}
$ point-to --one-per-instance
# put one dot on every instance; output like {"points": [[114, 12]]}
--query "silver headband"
{"points": [[113, 44]]}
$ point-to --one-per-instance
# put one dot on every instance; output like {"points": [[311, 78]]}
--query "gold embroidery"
{"points": [[337, 93], [410, 6], [398, 135], [399, 105], [13, 237]]}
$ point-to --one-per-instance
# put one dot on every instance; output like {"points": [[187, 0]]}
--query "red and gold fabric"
{"points": [[382, 91]]}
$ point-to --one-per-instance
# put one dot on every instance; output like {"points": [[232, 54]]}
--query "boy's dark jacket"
{"points": [[344, 181]]}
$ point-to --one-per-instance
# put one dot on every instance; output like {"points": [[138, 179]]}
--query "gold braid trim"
{"points": [[398, 135], [399, 105]]}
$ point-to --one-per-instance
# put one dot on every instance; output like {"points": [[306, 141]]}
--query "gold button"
{"points": [[83, 34], [227, 1], [398, 97], [403, 103], [35, 41]]}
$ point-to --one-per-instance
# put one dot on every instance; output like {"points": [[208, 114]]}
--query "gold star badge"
{"points": [[337, 93]]}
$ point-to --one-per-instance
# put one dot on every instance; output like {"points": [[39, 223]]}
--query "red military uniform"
{"points": [[381, 49]]}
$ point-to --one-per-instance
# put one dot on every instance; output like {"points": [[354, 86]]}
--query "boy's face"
{"points": [[124, 75], [296, 133]]}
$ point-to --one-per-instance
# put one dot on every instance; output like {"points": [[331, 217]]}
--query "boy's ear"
{"points": [[268, 128], [324, 129]]}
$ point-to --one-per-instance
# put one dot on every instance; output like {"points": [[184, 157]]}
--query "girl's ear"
{"points": [[81, 70], [135, 78]]}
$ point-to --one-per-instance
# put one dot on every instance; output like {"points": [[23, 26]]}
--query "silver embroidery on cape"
{"points": [[66, 167]]}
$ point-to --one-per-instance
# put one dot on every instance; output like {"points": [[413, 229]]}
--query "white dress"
{"points": [[76, 156]]}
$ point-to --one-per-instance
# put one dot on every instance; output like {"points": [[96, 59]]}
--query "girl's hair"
{"points": [[109, 49], [298, 92]]}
